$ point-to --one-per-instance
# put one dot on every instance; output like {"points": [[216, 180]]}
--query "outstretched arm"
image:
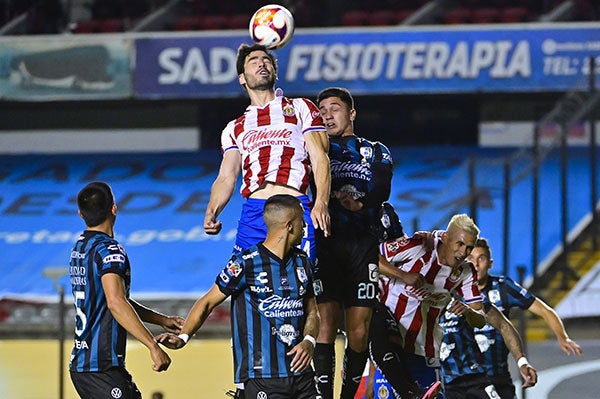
{"points": [[317, 145], [124, 313], [567, 345], [222, 190], [514, 344], [197, 316], [169, 323]]}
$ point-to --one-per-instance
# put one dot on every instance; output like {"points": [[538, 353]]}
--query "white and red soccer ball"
{"points": [[272, 26]]}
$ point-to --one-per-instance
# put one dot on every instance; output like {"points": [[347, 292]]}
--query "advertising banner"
{"points": [[56, 67], [519, 58]]}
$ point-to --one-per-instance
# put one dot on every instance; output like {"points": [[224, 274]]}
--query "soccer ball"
{"points": [[272, 26]]}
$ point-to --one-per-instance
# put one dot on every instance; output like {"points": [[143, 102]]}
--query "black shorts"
{"points": [[296, 387], [474, 386], [113, 383], [504, 385], [347, 270]]}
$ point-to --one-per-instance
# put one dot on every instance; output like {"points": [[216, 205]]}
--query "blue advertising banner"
{"points": [[515, 58], [161, 200]]}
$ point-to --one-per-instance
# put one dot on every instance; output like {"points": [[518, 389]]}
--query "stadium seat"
{"points": [[187, 23], [112, 25], [354, 18], [381, 18], [86, 26], [238, 21], [214, 22], [513, 14], [401, 15], [486, 15], [457, 16]]}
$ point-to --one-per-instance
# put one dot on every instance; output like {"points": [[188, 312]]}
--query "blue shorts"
{"points": [[252, 229]]}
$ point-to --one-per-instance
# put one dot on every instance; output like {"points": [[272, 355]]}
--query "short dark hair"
{"points": [[280, 202], [343, 94], [246, 49], [95, 202], [483, 243]]}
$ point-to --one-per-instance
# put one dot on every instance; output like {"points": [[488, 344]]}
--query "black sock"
{"points": [[324, 362], [390, 359], [354, 366]]}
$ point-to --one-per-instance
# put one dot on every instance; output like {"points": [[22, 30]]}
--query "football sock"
{"points": [[324, 362], [354, 366]]}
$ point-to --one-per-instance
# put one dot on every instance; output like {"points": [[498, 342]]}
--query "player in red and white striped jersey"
{"points": [[445, 276], [276, 144]]}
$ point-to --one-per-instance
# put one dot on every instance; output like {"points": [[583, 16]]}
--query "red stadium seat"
{"points": [[238, 21], [111, 25], [457, 16], [86, 26], [187, 23], [401, 15], [213, 22], [354, 18], [381, 18], [513, 14], [487, 15]]}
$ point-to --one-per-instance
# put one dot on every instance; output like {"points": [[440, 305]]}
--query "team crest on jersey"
{"points": [[455, 275], [233, 268], [383, 392], [288, 110], [494, 296], [318, 287], [366, 152]]}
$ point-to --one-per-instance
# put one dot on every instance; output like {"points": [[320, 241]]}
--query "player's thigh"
{"points": [[114, 383], [361, 272]]}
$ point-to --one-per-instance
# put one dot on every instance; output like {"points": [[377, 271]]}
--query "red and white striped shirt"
{"points": [[418, 309], [271, 142]]}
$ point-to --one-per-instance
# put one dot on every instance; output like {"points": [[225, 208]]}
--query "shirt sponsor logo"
{"points": [[286, 333], [114, 258], [276, 306]]}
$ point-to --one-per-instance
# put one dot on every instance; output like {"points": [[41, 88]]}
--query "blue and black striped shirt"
{"points": [[99, 340], [267, 309], [363, 169], [505, 293]]}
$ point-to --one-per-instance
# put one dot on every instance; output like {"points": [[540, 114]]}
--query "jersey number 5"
{"points": [[81, 317]]}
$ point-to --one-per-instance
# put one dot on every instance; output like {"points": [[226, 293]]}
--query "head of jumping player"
{"points": [[458, 240], [256, 67], [337, 109]]}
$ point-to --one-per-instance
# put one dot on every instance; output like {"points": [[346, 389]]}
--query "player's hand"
{"points": [[173, 324], [428, 239], [303, 354], [170, 340], [160, 360], [320, 217], [570, 347], [413, 279], [529, 375], [459, 308], [212, 226]]}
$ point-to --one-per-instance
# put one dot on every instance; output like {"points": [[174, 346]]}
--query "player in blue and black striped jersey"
{"points": [[274, 316], [505, 293], [100, 276], [347, 275], [462, 363]]}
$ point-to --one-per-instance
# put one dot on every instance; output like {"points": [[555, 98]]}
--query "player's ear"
{"points": [[241, 79], [352, 114]]}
